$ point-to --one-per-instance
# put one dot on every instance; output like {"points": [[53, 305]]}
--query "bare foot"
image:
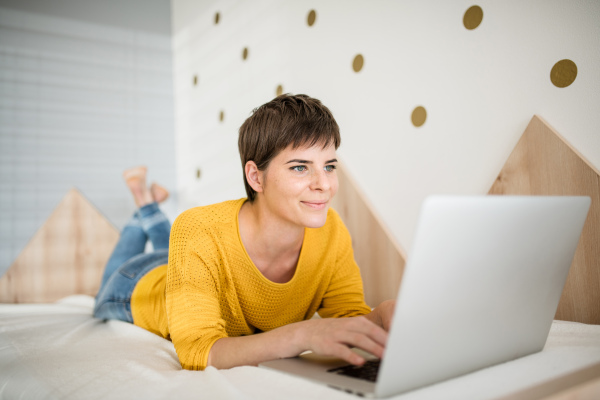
{"points": [[159, 193], [136, 181]]}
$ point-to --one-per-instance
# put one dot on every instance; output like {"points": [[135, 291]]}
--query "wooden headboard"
{"points": [[542, 163], [65, 256]]}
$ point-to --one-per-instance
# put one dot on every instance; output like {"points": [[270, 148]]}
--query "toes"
{"points": [[135, 173]]}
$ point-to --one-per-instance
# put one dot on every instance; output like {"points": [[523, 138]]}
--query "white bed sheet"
{"points": [[60, 351]]}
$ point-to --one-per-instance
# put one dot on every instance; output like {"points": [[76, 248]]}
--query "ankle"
{"points": [[141, 196], [159, 193]]}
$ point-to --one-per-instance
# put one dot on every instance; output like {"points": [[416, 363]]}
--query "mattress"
{"points": [[60, 351]]}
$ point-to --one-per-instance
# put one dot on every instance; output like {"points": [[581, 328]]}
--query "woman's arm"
{"points": [[329, 336]]}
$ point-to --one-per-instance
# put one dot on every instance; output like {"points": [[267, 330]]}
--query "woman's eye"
{"points": [[330, 168], [299, 168]]}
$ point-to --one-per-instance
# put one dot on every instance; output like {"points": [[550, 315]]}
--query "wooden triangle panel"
{"points": [[543, 163], [66, 255], [380, 258]]}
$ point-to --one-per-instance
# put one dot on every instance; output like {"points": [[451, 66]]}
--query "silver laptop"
{"points": [[481, 286]]}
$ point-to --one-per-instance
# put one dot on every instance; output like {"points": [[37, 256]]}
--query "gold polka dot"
{"points": [[198, 173], [419, 115], [563, 73], [217, 18], [473, 17], [279, 90], [195, 80], [222, 116], [312, 17], [245, 53], [358, 63]]}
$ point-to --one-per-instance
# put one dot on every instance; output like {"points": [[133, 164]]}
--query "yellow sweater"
{"points": [[211, 289]]}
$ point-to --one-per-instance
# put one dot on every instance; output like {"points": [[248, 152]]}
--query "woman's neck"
{"points": [[272, 244]]}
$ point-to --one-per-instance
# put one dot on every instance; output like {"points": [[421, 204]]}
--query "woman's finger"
{"points": [[344, 352], [363, 342], [370, 329]]}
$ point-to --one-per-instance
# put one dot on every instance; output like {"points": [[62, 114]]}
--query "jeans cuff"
{"points": [[134, 221], [150, 216], [148, 210]]}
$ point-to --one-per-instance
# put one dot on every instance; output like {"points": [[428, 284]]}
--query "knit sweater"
{"points": [[211, 289]]}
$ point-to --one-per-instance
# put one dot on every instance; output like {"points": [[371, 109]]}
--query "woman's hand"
{"points": [[386, 312], [335, 336]]}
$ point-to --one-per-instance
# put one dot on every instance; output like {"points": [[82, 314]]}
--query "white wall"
{"points": [[480, 88], [226, 83], [79, 102], [153, 16]]}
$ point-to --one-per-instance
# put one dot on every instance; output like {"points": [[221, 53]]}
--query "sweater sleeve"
{"points": [[192, 294], [344, 296]]}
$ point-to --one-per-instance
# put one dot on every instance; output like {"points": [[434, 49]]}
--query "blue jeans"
{"points": [[128, 263]]}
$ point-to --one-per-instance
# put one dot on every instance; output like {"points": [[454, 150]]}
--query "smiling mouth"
{"points": [[315, 205]]}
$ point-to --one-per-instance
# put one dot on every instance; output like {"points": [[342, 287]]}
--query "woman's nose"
{"points": [[320, 181]]}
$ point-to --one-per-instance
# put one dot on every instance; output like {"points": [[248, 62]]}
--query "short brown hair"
{"points": [[297, 120]]}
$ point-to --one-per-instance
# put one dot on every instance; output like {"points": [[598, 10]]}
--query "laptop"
{"points": [[481, 287]]}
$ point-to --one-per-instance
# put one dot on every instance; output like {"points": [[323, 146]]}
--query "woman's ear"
{"points": [[254, 176]]}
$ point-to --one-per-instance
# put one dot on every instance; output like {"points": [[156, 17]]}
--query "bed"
{"points": [[60, 351]]}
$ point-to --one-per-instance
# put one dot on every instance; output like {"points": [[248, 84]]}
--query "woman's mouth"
{"points": [[315, 205]]}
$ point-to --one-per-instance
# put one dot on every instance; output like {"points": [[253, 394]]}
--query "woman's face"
{"points": [[298, 184]]}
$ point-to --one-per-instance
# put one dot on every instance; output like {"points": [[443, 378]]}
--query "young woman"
{"points": [[244, 277]]}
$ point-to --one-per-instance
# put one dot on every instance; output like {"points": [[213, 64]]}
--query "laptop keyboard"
{"points": [[368, 371]]}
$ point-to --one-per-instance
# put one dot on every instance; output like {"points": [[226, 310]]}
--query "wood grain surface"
{"points": [[66, 255], [543, 163]]}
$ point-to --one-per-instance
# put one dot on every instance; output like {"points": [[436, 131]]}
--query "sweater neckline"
{"points": [[254, 267]]}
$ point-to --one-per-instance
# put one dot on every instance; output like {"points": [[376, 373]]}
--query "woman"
{"points": [[264, 264]]}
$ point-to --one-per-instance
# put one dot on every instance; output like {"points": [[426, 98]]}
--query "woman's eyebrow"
{"points": [[295, 160]]}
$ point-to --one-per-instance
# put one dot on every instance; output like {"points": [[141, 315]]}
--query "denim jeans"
{"points": [[128, 263]]}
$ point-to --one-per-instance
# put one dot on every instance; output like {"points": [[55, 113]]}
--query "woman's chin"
{"points": [[315, 221]]}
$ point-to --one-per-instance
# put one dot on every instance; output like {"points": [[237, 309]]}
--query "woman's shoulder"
{"points": [[204, 228], [205, 223], [214, 214]]}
